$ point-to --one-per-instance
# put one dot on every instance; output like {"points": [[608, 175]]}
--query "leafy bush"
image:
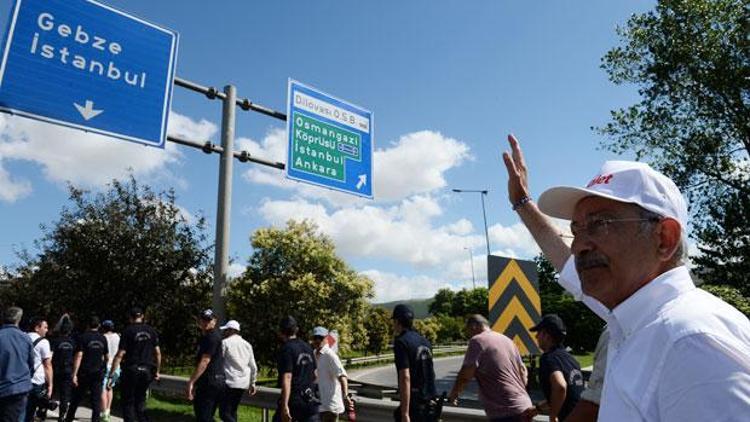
{"points": [[730, 295], [428, 327], [451, 329]]}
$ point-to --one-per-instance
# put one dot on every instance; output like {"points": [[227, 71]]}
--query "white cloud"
{"points": [[461, 227], [390, 287], [513, 241], [12, 189], [403, 233], [235, 270], [85, 158], [186, 127], [416, 164]]}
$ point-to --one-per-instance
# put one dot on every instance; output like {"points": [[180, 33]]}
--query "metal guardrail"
{"points": [[390, 356], [368, 410]]}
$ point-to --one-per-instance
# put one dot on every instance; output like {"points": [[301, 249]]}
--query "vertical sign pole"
{"points": [[221, 258], [484, 213]]}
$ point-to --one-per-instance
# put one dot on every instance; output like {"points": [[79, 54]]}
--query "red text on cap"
{"points": [[600, 180]]}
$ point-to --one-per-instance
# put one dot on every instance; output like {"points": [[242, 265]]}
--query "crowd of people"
{"points": [[59, 370], [36, 368]]}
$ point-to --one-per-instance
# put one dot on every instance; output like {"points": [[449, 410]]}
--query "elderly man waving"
{"points": [[676, 353]]}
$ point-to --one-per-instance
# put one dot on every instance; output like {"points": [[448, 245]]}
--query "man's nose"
{"points": [[581, 244]]}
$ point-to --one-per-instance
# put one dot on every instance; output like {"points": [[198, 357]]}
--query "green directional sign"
{"points": [[330, 141], [322, 148]]}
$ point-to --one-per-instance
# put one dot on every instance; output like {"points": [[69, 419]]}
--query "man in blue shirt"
{"points": [[16, 364]]}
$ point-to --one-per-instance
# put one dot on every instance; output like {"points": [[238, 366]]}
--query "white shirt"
{"points": [[593, 391], [239, 362], [329, 371], [676, 353], [113, 342], [42, 351]]}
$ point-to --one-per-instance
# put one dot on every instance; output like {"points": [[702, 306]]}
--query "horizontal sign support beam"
{"points": [[214, 93], [209, 147]]}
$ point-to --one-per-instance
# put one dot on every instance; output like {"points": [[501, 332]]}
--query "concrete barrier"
{"points": [[368, 410]]}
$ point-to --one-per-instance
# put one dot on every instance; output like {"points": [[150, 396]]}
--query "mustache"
{"points": [[589, 260]]}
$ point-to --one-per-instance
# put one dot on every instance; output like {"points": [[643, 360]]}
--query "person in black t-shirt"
{"points": [[416, 375], [559, 373], [207, 383], [63, 351], [88, 369], [141, 363], [297, 374]]}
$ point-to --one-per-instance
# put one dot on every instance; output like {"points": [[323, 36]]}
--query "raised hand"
{"points": [[518, 183]]}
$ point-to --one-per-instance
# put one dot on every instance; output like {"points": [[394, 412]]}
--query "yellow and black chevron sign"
{"points": [[514, 300]]}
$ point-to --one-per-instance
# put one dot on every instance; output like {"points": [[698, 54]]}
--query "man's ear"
{"points": [[670, 235]]}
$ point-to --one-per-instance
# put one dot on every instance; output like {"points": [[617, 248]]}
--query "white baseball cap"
{"points": [[624, 181], [320, 332], [233, 324]]}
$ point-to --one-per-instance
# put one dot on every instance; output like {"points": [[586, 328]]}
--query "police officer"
{"points": [[141, 362], [296, 367], [63, 351], [207, 384], [88, 369], [416, 375], [559, 372]]}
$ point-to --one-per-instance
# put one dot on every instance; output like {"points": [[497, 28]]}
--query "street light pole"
{"points": [[484, 212], [473, 278]]}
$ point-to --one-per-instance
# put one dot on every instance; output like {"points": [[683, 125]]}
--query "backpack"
{"points": [[425, 367]]}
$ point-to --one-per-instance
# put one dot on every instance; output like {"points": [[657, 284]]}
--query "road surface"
{"points": [[446, 370]]}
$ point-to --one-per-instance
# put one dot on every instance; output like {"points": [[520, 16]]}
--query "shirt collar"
{"points": [[642, 305], [323, 349]]}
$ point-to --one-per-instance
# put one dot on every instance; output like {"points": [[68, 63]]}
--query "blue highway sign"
{"points": [[330, 141], [83, 64]]}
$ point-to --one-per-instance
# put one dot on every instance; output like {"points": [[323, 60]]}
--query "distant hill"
{"points": [[421, 306]]}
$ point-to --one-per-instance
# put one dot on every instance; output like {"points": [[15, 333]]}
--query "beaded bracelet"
{"points": [[521, 202]]}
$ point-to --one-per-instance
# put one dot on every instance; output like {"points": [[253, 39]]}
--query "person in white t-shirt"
{"points": [[332, 379], [113, 343], [240, 370], [41, 379]]}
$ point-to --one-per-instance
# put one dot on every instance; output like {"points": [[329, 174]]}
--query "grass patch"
{"points": [[585, 360], [167, 409]]}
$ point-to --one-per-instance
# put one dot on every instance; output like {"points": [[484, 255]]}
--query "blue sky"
{"points": [[446, 80]]}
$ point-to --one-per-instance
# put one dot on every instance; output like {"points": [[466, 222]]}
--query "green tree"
{"points": [[295, 271], [461, 303], [428, 327], [471, 301], [109, 251], [691, 62], [450, 328], [442, 304], [730, 295], [379, 329]]}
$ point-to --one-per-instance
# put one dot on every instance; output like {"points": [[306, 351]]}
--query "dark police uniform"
{"points": [[138, 340], [63, 349], [414, 352], [558, 359], [93, 346], [297, 357], [211, 384]]}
